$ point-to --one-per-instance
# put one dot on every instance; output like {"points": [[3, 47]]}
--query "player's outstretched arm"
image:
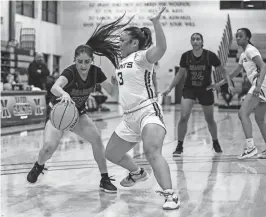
{"points": [[155, 53]]}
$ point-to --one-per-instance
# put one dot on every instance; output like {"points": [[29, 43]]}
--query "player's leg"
{"points": [[260, 117], [206, 99], [123, 140], [153, 133], [51, 141], [86, 129], [187, 103], [247, 107]]}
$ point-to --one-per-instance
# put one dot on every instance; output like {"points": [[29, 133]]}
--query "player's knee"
{"points": [[210, 119], [259, 119], [152, 152], [241, 114], [96, 141], [184, 118]]}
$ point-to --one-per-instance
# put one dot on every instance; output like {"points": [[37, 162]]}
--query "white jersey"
{"points": [[134, 78], [247, 62]]}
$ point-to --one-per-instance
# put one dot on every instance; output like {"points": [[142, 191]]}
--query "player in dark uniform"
{"points": [[197, 65], [75, 84]]}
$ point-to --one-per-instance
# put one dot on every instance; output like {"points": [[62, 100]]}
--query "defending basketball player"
{"points": [[74, 85], [142, 114], [255, 68], [197, 64]]}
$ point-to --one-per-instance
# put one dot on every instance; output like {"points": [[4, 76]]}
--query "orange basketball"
{"points": [[64, 116]]}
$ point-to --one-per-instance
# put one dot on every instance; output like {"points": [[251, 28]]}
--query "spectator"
{"points": [[38, 72]]}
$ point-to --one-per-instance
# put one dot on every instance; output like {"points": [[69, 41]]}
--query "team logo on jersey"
{"points": [[126, 65]]}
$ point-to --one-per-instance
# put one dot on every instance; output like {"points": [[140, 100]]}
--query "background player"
{"points": [[75, 84], [255, 68], [197, 64]]}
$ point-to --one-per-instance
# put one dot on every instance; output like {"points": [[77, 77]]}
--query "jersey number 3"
{"points": [[121, 81]]}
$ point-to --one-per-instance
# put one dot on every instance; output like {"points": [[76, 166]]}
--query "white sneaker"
{"points": [[262, 155], [171, 200], [248, 152]]}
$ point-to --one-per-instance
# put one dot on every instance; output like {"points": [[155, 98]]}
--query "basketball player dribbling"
{"points": [[255, 68], [142, 114], [197, 65], [75, 84]]}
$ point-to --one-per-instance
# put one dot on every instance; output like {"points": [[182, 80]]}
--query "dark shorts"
{"points": [[205, 97]]}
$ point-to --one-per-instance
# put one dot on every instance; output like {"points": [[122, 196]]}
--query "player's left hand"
{"points": [[231, 89], [214, 87], [256, 91], [157, 17]]}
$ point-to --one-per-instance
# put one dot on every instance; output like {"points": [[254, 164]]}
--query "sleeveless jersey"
{"points": [[134, 77], [78, 89], [199, 69]]}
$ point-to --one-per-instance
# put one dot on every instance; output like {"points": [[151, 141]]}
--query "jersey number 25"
{"points": [[121, 81]]}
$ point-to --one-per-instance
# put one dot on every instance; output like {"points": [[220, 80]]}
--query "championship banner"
{"points": [[22, 108]]}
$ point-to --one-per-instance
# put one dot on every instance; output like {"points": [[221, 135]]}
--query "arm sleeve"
{"points": [[214, 60], [252, 52], [68, 74], [183, 61], [100, 76]]}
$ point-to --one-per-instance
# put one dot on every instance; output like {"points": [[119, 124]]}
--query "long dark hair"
{"points": [[104, 40], [143, 35]]}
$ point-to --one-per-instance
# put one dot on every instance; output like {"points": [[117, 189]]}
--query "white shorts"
{"points": [[262, 94], [133, 123]]}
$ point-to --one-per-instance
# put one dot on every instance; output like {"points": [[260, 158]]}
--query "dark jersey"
{"points": [[78, 89], [199, 68]]}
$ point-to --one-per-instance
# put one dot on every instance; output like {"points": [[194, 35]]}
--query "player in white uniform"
{"points": [[255, 68], [143, 118]]}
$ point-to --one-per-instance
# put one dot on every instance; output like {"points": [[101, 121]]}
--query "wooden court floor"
{"points": [[208, 184]]}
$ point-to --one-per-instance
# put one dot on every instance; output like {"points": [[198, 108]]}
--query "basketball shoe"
{"points": [[134, 178], [248, 152], [179, 149], [35, 172], [216, 146], [262, 155], [106, 185], [171, 200]]}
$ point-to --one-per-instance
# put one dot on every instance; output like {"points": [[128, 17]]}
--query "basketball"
{"points": [[64, 116]]}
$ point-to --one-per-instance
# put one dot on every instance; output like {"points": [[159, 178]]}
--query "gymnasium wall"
{"points": [[4, 20], [48, 35], [181, 19]]}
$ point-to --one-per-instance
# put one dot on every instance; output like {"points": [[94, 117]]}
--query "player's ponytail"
{"points": [[143, 35], [147, 34], [104, 40]]}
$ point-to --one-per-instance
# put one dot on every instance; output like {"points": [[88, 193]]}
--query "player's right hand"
{"points": [[166, 92], [65, 98], [213, 87]]}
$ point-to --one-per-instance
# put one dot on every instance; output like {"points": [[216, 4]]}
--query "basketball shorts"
{"points": [[205, 97], [262, 94], [131, 127]]}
